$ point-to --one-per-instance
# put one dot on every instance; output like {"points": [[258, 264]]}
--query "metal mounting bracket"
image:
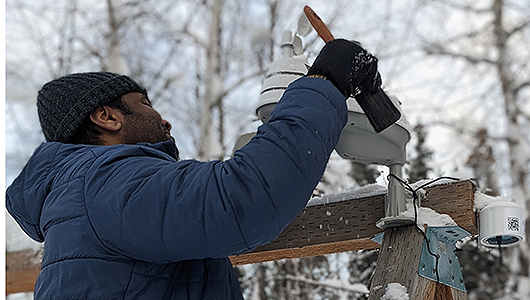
{"points": [[378, 238], [441, 241]]}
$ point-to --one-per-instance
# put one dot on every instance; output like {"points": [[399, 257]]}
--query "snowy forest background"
{"points": [[460, 68]]}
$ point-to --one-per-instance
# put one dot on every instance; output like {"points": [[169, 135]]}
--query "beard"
{"points": [[144, 129]]}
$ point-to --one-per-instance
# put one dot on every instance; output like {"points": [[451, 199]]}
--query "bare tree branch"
{"points": [[435, 49], [518, 28], [465, 130], [466, 35], [340, 285], [466, 7], [21, 10], [238, 83], [523, 85], [185, 31]]}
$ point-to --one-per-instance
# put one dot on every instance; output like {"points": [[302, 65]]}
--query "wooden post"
{"points": [[398, 262], [400, 254]]}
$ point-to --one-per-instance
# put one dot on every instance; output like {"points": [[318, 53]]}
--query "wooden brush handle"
{"points": [[318, 24]]}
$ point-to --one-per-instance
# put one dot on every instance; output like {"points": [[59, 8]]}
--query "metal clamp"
{"points": [[441, 241]]}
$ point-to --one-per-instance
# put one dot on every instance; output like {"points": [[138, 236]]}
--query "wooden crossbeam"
{"points": [[325, 228], [22, 269], [345, 223], [349, 224]]}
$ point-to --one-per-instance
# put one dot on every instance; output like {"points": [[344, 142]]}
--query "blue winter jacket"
{"points": [[132, 222]]}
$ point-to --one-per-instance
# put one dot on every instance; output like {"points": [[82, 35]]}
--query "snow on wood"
{"points": [[428, 217], [442, 181], [483, 200], [361, 192]]}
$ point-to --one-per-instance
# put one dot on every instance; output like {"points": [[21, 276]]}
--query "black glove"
{"points": [[348, 66]]}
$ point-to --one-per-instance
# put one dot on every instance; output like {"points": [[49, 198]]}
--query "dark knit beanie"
{"points": [[65, 103]]}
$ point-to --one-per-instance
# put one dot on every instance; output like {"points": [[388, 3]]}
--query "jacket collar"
{"points": [[169, 147]]}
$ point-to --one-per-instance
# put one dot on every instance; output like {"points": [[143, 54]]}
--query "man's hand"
{"points": [[348, 66]]}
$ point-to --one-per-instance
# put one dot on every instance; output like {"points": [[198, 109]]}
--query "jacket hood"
{"points": [[27, 194]]}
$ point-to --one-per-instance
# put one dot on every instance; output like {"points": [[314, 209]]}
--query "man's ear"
{"points": [[107, 118]]}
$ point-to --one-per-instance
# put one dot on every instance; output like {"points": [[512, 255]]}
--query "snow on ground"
{"points": [[20, 296], [395, 291]]}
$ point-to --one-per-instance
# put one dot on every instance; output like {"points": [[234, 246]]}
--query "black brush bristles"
{"points": [[379, 109]]}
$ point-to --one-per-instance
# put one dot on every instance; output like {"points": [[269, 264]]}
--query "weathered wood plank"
{"points": [[22, 269], [307, 251], [352, 221], [401, 249], [456, 200], [336, 227]]}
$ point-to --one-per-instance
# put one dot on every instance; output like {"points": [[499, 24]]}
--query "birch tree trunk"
{"points": [[518, 151], [115, 60], [209, 147]]}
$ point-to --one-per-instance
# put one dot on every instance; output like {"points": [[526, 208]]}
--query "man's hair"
{"points": [[89, 132]]}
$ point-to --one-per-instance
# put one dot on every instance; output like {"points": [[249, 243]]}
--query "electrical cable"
{"points": [[499, 242], [415, 199]]}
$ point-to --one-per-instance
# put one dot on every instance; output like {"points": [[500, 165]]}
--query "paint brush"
{"points": [[379, 109]]}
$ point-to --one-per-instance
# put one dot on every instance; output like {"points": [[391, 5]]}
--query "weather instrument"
{"points": [[359, 141]]}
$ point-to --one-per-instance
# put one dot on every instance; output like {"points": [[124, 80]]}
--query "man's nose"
{"points": [[166, 124]]}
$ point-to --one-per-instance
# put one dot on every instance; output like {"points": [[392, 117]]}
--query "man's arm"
{"points": [[166, 212]]}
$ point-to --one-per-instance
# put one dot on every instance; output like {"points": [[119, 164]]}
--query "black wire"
{"points": [[415, 199], [437, 179], [499, 242]]}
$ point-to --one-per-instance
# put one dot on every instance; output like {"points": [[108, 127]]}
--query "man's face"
{"points": [[144, 124]]}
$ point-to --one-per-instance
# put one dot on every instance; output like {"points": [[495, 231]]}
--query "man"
{"points": [[123, 218]]}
